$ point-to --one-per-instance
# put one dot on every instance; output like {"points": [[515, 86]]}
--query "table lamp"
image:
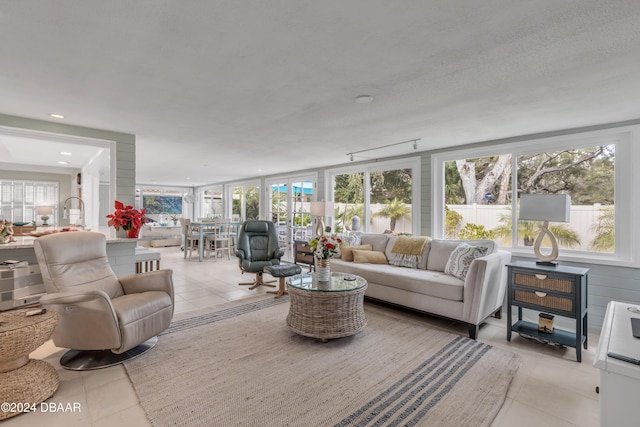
{"points": [[546, 208], [320, 210], [44, 212]]}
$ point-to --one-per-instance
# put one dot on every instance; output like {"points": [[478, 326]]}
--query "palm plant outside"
{"points": [[529, 230], [394, 211]]}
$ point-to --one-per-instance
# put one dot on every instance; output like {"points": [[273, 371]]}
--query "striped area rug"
{"points": [[242, 366]]}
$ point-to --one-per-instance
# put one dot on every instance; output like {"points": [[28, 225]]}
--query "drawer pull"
{"points": [[540, 294], [541, 276]]}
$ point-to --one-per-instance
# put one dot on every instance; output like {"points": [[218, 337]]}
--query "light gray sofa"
{"points": [[427, 288]]}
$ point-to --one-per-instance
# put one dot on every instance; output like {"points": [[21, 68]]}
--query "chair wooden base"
{"points": [[258, 282], [281, 289]]}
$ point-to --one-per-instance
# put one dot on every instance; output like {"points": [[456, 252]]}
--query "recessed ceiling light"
{"points": [[364, 99], [56, 115], [259, 170], [65, 153], [188, 178], [62, 162]]}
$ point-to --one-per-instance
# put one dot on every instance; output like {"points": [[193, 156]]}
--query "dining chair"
{"points": [[190, 233], [220, 240]]}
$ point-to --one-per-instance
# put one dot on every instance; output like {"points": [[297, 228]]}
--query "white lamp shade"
{"points": [[545, 207], [322, 208], [44, 210]]}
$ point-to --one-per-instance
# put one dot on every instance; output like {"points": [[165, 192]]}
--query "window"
{"points": [[245, 202], [211, 202], [475, 196], [378, 198], [20, 200]]}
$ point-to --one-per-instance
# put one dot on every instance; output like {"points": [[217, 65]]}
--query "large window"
{"points": [[245, 202], [478, 190], [19, 200], [377, 198]]}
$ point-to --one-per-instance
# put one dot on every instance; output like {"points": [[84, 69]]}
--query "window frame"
{"points": [[412, 163], [625, 200]]}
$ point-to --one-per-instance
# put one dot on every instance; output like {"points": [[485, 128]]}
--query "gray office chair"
{"points": [[258, 247], [103, 319]]}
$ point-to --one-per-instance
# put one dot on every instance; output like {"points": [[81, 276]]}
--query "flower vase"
{"points": [[133, 233], [323, 270]]}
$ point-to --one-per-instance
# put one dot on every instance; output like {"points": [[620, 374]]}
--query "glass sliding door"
{"points": [[245, 202], [289, 208]]}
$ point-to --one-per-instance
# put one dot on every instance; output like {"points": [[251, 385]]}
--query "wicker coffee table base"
{"points": [[326, 315], [33, 383]]}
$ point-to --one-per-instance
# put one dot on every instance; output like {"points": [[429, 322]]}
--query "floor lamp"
{"points": [[321, 210], [546, 208]]}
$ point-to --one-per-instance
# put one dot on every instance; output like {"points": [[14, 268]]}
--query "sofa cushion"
{"points": [[347, 251], [461, 258], [441, 250], [372, 257], [378, 241], [350, 239], [432, 283]]}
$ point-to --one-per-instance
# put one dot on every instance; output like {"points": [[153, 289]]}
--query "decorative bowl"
{"points": [[20, 224]]}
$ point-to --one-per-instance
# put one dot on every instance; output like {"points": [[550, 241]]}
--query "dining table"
{"points": [[204, 229]]}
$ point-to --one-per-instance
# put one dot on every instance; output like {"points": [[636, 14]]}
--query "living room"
{"points": [[317, 91]]}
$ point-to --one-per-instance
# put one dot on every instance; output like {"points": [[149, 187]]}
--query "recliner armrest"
{"points": [[240, 254], [76, 298], [159, 280]]}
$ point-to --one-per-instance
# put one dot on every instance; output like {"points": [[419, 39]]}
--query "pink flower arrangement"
{"points": [[325, 247], [126, 217]]}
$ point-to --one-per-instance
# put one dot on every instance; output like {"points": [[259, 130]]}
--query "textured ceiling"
{"points": [[216, 90]]}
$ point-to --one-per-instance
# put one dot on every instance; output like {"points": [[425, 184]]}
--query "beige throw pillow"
{"points": [[347, 251], [371, 257]]}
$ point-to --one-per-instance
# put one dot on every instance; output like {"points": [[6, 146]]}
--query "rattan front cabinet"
{"points": [[559, 290]]}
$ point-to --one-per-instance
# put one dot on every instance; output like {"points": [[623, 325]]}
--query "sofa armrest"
{"points": [[485, 286]]}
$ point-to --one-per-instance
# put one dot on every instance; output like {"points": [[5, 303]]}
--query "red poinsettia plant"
{"points": [[126, 217]]}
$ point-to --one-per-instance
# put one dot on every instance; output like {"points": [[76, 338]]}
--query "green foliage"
{"points": [[391, 185], [529, 230], [349, 188], [394, 211], [452, 222], [453, 189], [605, 231], [475, 232]]}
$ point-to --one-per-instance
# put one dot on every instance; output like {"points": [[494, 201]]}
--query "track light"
{"points": [[415, 147]]}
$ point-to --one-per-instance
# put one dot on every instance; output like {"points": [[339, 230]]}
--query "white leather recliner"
{"points": [[102, 318]]}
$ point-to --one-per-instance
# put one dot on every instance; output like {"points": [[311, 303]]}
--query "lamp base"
{"points": [[547, 263]]}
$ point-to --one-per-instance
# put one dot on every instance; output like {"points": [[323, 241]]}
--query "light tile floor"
{"points": [[550, 388]]}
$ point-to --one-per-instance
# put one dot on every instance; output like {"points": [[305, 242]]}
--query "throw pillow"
{"points": [[461, 258], [347, 251], [371, 257]]}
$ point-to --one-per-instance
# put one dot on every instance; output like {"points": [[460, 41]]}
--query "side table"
{"points": [[560, 290], [24, 380]]}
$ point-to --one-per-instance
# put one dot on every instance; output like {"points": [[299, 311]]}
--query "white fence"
{"points": [[584, 218]]}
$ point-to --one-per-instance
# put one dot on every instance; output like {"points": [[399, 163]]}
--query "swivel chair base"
{"points": [[258, 282], [86, 360]]}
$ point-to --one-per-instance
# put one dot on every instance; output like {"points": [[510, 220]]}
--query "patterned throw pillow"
{"points": [[461, 258]]}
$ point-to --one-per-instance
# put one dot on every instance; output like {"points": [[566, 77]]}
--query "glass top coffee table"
{"points": [[326, 310]]}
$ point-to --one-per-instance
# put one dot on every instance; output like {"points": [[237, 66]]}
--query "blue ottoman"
{"points": [[281, 271]]}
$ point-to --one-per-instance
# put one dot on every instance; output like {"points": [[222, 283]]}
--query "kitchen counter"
{"points": [[120, 251]]}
